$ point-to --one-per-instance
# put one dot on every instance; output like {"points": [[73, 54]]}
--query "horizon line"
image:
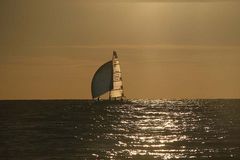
{"points": [[56, 99]]}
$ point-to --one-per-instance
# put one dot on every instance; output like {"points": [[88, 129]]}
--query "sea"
{"points": [[132, 129]]}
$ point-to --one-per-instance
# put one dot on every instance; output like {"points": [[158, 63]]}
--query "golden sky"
{"points": [[50, 49]]}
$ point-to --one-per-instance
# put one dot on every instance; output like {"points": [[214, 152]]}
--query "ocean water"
{"points": [[137, 129]]}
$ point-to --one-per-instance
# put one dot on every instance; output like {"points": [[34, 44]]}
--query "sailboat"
{"points": [[108, 78]]}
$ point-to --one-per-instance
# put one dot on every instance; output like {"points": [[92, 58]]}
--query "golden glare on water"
{"points": [[138, 129], [164, 129], [152, 130]]}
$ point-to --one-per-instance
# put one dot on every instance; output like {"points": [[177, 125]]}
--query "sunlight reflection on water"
{"points": [[162, 129], [139, 129], [151, 126]]}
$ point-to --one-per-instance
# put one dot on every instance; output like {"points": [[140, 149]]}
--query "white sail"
{"points": [[108, 78], [117, 91], [102, 81]]}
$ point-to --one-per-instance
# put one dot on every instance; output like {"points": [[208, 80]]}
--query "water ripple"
{"points": [[139, 129]]}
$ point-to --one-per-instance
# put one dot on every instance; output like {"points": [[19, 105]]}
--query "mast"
{"points": [[117, 91]]}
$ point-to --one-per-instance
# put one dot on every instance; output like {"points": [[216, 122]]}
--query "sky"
{"points": [[50, 49]]}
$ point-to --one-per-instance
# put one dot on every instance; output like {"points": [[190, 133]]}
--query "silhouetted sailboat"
{"points": [[108, 78]]}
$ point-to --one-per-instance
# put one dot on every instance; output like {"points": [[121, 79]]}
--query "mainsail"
{"points": [[108, 78], [117, 91]]}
